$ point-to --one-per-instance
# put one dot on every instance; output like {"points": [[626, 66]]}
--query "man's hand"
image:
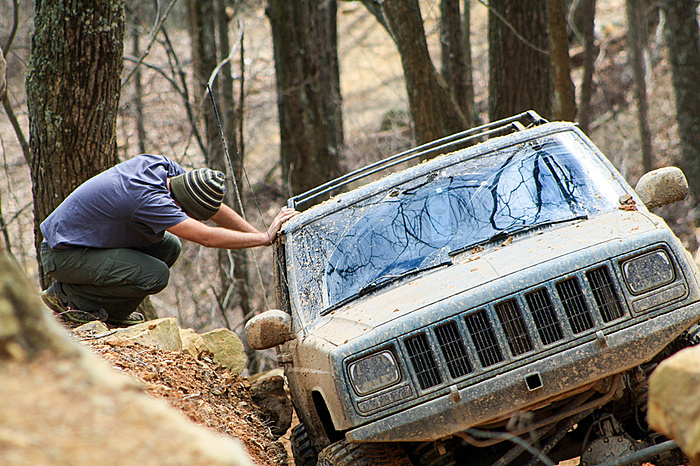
{"points": [[285, 214]]}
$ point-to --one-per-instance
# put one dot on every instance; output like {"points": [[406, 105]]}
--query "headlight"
{"points": [[374, 372], [649, 271]]}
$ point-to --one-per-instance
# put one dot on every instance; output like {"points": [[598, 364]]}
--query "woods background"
{"points": [[306, 90]]}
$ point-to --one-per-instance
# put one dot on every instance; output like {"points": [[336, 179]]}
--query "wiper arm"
{"points": [[504, 234], [383, 281]]}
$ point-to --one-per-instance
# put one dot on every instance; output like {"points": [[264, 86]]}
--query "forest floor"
{"points": [[201, 390]]}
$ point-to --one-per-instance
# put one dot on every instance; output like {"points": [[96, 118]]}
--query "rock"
{"points": [[91, 329], [264, 375], [674, 400], [226, 349], [270, 395], [160, 333], [62, 404], [192, 342]]}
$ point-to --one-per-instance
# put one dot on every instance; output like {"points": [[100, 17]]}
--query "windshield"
{"points": [[418, 224]]}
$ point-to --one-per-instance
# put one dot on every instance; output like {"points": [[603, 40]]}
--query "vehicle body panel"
{"points": [[526, 322]]}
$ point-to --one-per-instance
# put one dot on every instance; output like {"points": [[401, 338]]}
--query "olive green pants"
{"points": [[116, 280]]}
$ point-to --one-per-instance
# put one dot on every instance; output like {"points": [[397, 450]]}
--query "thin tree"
{"points": [[586, 13], [683, 42], [434, 111], [454, 64], [636, 39], [468, 62], [232, 120], [519, 77], [304, 37], [563, 92], [138, 83], [209, 34], [73, 90]]}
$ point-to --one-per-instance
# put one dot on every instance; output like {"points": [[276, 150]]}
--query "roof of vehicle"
{"points": [[516, 133], [430, 149]]}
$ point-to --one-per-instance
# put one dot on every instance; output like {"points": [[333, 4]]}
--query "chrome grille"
{"points": [[524, 321], [484, 338], [574, 303], [544, 315], [604, 294], [514, 327], [423, 361], [453, 349]]}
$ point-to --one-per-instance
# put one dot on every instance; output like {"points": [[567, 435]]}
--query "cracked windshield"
{"points": [[422, 223]]}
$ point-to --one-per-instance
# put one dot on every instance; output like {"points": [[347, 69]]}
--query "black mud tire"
{"points": [[303, 450], [363, 454]]}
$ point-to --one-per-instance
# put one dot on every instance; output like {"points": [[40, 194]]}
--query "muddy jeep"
{"points": [[504, 301]]}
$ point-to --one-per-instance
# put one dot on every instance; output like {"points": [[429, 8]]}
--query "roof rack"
{"points": [[455, 141]]}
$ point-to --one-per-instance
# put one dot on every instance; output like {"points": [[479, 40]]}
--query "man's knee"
{"points": [[166, 250], [159, 279]]}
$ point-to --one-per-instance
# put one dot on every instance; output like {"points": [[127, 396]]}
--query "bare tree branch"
{"points": [[151, 40]]}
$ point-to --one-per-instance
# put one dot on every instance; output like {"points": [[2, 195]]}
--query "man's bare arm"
{"points": [[234, 232]]}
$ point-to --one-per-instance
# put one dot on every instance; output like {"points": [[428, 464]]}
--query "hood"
{"points": [[472, 269]]}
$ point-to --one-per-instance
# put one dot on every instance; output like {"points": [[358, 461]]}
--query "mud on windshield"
{"points": [[422, 223]]}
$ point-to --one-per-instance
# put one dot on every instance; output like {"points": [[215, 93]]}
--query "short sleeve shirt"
{"points": [[127, 206]]}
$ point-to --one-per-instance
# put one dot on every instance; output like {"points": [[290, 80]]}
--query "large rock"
{"points": [[160, 333], [270, 395], [674, 400], [192, 342], [62, 404], [227, 349]]}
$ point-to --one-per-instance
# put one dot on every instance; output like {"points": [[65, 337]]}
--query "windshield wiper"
{"points": [[383, 281], [504, 234]]}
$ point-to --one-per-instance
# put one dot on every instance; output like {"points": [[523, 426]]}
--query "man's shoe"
{"points": [[83, 317], [132, 319], [52, 298]]}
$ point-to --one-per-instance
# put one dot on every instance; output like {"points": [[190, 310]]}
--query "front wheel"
{"points": [[303, 451], [343, 453]]}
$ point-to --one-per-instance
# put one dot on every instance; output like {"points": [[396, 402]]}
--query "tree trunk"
{"points": [[73, 89], [471, 112], [304, 36], [586, 12], [519, 77], [684, 53], [454, 65], [636, 40], [434, 112], [564, 95], [202, 16]]}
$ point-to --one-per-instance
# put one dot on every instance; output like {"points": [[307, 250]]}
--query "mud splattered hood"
{"points": [[474, 268]]}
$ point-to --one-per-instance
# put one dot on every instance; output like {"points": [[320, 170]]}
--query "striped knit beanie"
{"points": [[199, 192]]}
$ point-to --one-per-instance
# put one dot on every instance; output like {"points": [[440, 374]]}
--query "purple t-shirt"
{"points": [[127, 206]]}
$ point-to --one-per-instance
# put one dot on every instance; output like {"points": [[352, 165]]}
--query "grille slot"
{"points": [[574, 304], [604, 294], [453, 349], [423, 361], [484, 338], [513, 325], [542, 310]]}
